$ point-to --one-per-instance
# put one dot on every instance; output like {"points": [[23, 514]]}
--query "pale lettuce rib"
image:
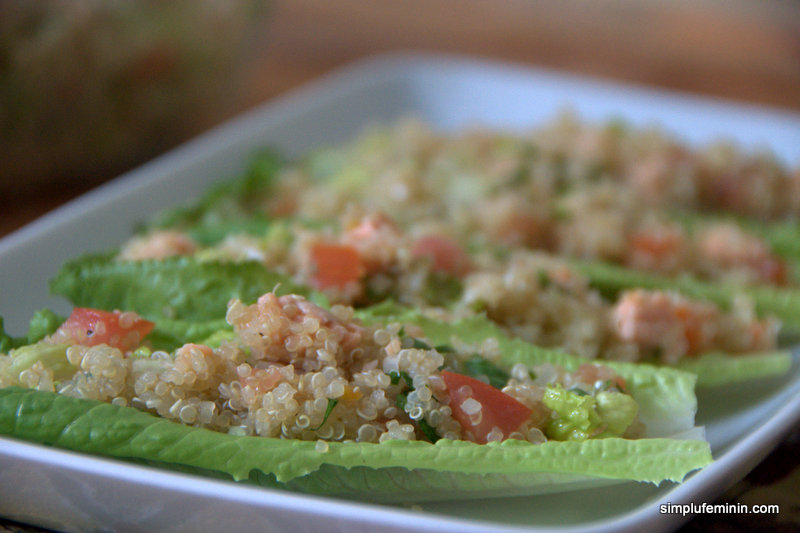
{"points": [[721, 369], [395, 470]]}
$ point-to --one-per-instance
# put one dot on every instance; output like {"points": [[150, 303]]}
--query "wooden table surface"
{"points": [[747, 51]]}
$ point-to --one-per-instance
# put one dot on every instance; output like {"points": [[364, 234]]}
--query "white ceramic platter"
{"points": [[69, 491]]}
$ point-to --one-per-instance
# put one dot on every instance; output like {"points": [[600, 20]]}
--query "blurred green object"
{"points": [[91, 87]]}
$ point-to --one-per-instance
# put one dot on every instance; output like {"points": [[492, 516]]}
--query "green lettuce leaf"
{"points": [[168, 335], [43, 323], [783, 236], [175, 288], [212, 231], [714, 369], [391, 471], [667, 403], [229, 206], [711, 369], [783, 302], [52, 356], [7, 342]]}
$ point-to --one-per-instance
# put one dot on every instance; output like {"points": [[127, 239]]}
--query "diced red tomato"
{"points": [[445, 254], [655, 244], [656, 249], [335, 265], [762, 335], [376, 238], [691, 329], [91, 327], [773, 270], [497, 408], [728, 246], [694, 319]]}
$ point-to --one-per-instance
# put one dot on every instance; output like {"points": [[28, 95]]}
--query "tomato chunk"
{"points": [[773, 270], [497, 409], [656, 244], [445, 254], [335, 265], [91, 327]]}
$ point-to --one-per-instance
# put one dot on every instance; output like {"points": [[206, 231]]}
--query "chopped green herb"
{"points": [[477, 306], [558, 166], [396, 376], [331, 404], [420, 345], [595, 171], [520, 175], [560, 213], [478, 366], [543, 278], [427, 430], [402, 400], [442, 288]]}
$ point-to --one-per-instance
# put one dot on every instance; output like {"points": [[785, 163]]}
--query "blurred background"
{"points": [[92, 88]]}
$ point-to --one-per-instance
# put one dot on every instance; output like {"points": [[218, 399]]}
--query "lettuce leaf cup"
{"points": [[369, 410]]}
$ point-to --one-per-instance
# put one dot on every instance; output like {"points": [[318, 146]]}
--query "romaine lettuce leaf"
{"points": [[168, 334], [7, 342], [721, 369], [783, 302], [711, 369], [43, 323], [174, 288], [229, 204], [391, 471], [783, 236], [212, 231], [666, 399], [52, 356]]}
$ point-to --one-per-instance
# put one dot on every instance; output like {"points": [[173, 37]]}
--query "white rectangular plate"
{"points": [[69, 491]]}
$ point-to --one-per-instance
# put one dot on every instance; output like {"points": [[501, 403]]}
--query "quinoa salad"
{"points": [[500, 224], [554, 294], [294, 370]]}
